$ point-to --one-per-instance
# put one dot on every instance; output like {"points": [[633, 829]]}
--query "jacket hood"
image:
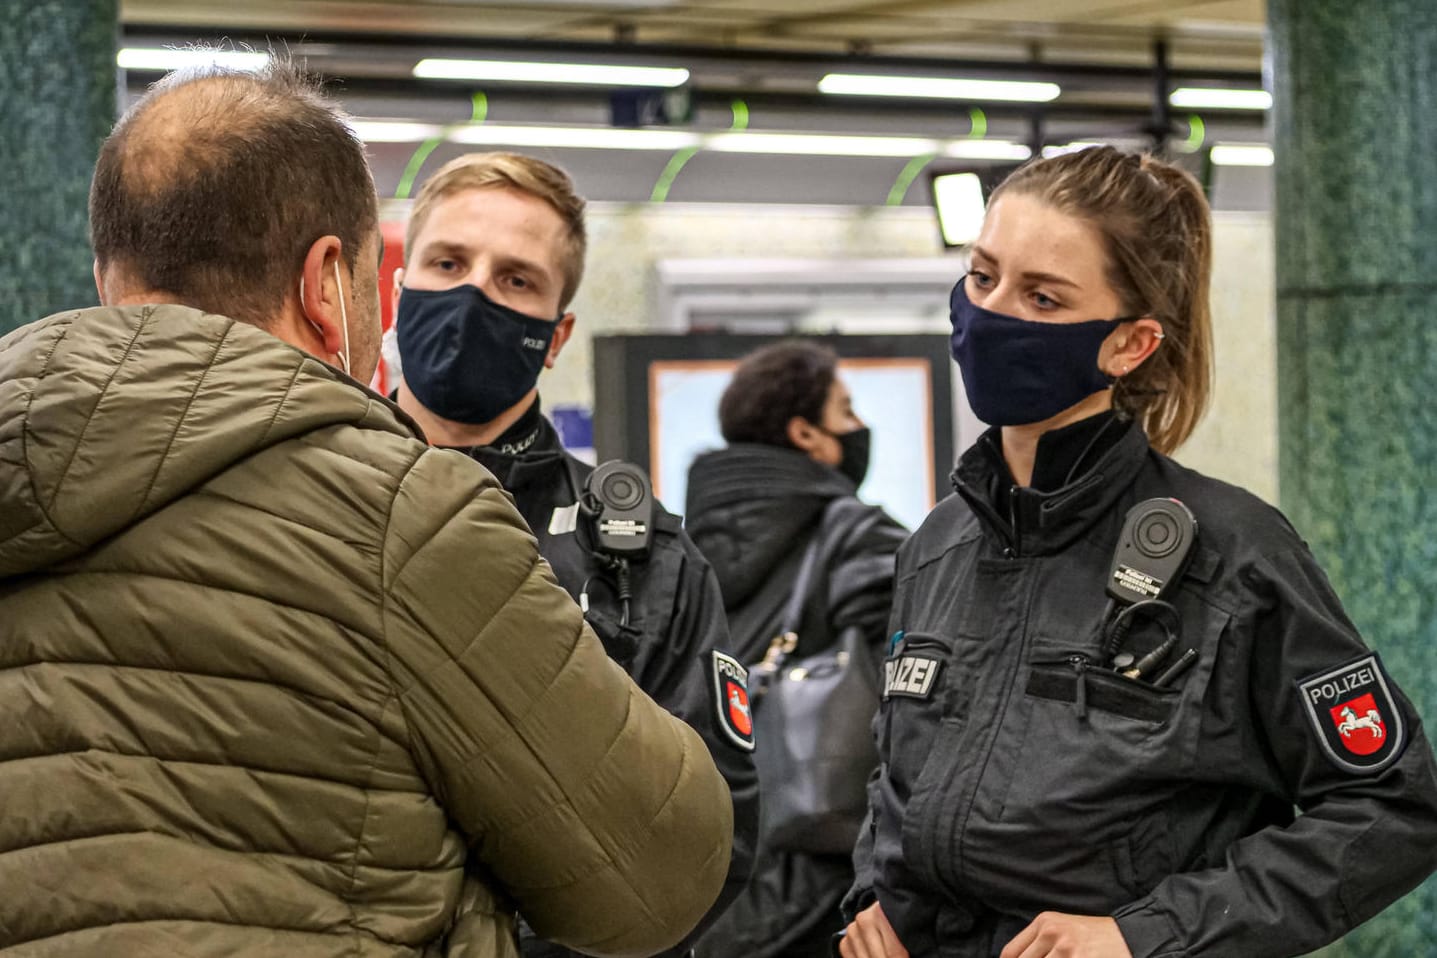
{"points": [[109, 414], [750, 505]]}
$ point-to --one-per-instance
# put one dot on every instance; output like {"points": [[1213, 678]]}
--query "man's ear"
{"points": [[803, 434], [99, 284], [562, 331], [1131, 344], [395, 289], [319, 299]]}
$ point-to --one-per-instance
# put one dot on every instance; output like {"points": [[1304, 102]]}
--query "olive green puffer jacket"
{"points": [[276, 679]]}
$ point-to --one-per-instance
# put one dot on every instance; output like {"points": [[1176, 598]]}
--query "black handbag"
{"points": [[813, 721]]}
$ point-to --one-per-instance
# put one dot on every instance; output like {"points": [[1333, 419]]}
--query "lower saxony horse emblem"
{"points": [[1352, 711]]}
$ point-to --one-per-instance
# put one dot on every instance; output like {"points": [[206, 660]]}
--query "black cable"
{"points": [[1104, 625], [1156, 610], [621, 572]]}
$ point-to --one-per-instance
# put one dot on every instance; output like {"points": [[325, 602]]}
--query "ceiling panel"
{"points": [[336, 16], [1226, 29], [780, 90]]}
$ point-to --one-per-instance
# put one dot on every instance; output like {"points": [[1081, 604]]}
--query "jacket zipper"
{"points": [[950, 834], [1013, 521], [1009, 535], [1080, 665]]}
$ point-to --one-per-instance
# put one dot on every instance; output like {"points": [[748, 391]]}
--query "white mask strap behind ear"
{"points": [[343, 318]]}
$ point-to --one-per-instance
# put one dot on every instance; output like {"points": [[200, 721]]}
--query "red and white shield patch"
{"points": [[1359, 723], [1354, 715], [730, 690], [738, 712]]}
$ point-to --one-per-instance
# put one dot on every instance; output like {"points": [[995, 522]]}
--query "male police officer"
{"points": [[493, 255]]}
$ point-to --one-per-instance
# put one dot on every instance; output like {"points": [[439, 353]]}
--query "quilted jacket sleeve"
{"points": [[600, 815]]}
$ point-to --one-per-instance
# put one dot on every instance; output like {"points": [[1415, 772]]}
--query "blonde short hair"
{"points": [[478, 171]]}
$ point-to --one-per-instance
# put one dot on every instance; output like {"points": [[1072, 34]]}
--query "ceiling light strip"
{"points": [[944, 88], [731, 141], [1242, 154], [578, 74], [820, 144], [1220, 98], [165, 59], [574, 137]]}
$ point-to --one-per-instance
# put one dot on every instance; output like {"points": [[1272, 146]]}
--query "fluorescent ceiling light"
{"points": [[819, 144], [958, 198], [575, 137], [510, 71], [1077, 146], [1244, 154], [1218, 98], [627, 4], [394, 131], [987, 150], [165, 60], [612, 138], [862, 84]]}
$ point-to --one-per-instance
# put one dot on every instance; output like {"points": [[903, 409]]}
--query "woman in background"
{"points": [[796, 455]]}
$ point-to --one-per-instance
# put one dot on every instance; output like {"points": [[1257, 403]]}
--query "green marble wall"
{"points": [[1355, 133], [57, 103]]}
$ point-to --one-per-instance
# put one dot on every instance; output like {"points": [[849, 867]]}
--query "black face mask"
{"points": [[1017, 371], [466, 357], [855, 445]]}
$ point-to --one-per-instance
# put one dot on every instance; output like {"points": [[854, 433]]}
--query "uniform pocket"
{"points": [[1073, 679], [1109, 753]]}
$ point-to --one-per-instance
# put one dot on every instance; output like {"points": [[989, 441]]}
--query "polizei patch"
{"points": [[911, 676], [1356, 720], [731, 700]]}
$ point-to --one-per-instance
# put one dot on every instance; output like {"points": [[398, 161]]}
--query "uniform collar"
{"points": [[1030, 521], [529, 452], [523, 434]]}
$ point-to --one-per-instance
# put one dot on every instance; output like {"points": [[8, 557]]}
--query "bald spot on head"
{"points": [[213, 186], [183, 132]]}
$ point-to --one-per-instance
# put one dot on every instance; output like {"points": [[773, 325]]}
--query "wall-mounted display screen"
{"points": [[657, 404]]}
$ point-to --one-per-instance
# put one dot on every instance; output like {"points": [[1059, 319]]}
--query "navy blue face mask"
{"points": [[1017, 371], [466, 357]]}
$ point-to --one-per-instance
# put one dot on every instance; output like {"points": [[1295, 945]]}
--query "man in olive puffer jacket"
{"points": [[275, 677]]}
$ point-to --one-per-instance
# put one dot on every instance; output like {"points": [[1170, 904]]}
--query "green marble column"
{"points": [[57, 103], [1355, 133]]}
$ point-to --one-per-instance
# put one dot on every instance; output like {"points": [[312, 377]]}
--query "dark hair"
{"points": [[215, 184], [771, 386], [1156, 225]]}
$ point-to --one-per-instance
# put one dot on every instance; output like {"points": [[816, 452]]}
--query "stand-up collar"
{"points": [[1029, 521], [524, 434], [523, 457]]}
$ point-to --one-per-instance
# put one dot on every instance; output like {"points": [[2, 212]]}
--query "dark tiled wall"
{"points": [[57, 102], [1356, 227]]}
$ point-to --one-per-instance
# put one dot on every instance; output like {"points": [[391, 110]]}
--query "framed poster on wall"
{"points": [[656, 404]]}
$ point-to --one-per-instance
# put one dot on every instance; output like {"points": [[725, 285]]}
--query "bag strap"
{"points": [[786, 641], [793, 611]]}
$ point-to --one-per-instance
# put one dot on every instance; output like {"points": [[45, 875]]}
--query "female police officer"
{"points": [[1080, 758]]}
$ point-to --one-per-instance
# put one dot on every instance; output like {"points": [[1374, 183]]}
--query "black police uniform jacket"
{"points": [[1027, 777], [677, 620], [753, 510]]}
